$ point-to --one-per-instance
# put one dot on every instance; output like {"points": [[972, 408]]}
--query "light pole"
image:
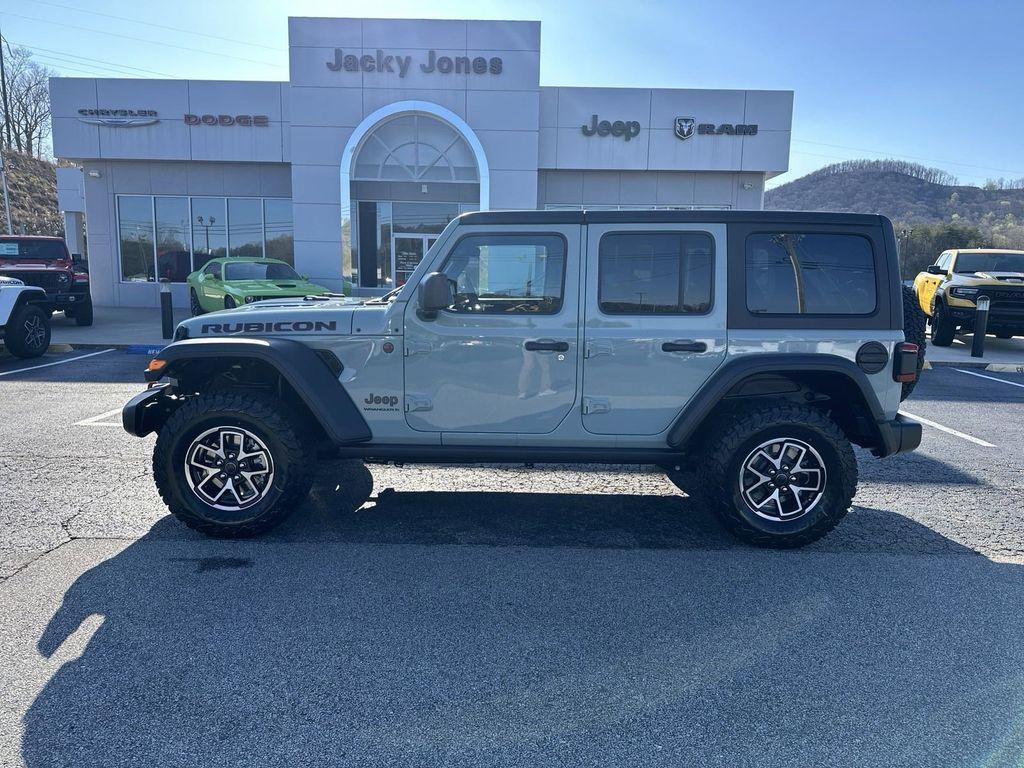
{"points": [[206, 227]]}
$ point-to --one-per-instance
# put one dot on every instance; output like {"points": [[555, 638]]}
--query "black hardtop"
{"points": [[767, 218]]}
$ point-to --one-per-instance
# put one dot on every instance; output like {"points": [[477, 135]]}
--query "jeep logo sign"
{"points": [[627, 129]]}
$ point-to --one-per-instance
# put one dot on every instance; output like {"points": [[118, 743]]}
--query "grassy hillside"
{"points": [[930, 210], [33, 189], [904, 192]]}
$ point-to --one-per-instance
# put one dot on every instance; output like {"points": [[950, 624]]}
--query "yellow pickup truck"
{"points": [[949, 289]]}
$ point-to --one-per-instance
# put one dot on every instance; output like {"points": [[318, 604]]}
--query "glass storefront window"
{"points": [[135, 233], [245, 227], [173, 246], [209, 233], [278, 228]]}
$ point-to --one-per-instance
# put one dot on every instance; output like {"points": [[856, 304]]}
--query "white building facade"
{"points": [[384, 132]]}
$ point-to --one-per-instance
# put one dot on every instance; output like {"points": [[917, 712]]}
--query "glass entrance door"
{"points": [[407, 251]]}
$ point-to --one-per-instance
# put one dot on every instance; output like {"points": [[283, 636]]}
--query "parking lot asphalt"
{"points": [[503, 616]]}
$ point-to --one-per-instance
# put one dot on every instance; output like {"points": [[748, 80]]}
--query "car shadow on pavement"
{"points": [[577, 635]]}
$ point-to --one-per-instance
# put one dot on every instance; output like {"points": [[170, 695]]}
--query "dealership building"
{"points": [[385, 131]]}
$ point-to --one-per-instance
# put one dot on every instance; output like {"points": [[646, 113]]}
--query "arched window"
{"points": [[415, 148]]}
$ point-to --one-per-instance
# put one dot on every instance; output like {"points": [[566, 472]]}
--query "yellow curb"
{"points": [[60, 348], [927, 366]]}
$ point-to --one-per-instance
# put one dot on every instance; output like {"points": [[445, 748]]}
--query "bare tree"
{"points": [[28, 100]]}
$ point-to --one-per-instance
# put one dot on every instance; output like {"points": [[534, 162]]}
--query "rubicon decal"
{"points": [[286, 326]]}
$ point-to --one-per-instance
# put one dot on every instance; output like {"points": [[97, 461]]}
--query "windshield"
{"points": [[989, 262], [259, 270], [42, 250]]}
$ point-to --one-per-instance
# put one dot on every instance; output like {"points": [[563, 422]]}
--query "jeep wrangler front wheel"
{"points": [[231, 464], [778, 476]]}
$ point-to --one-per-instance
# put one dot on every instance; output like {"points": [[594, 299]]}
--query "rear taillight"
{"points": [[904, 365]]}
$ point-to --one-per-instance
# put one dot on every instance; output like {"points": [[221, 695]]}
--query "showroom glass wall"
{"points": [[170, 236]]}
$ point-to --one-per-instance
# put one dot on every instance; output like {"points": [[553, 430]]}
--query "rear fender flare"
{"points": [[735, 371]]}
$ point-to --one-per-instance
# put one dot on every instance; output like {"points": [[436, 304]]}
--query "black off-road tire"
{"points": [[915, 331], [193, 303], [943, 327], [736, 435], [28, 331], [83, 313], [229, 303], [293, 460]]}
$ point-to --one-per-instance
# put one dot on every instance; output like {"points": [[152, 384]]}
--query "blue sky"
{"points": [[936, 82]]}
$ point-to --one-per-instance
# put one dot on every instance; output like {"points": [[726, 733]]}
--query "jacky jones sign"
{"points": [[387, 62]]}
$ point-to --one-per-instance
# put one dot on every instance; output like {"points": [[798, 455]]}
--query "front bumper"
{"points": [[147, 410], [898, 436]]}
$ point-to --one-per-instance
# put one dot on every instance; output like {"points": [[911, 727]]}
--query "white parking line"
{"points": [[949, 430], [98, 421], [990, 378], [57, 362]]}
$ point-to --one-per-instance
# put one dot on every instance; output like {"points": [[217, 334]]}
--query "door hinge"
{"points": [[418, 403], [597, 348], [592, 405], [417, 348]]}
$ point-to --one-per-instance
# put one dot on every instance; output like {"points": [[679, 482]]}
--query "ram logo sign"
{"points": [[684, 127]]}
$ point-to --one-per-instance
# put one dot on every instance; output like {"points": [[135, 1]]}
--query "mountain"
{"points": [[33, 189], [905, 192]]}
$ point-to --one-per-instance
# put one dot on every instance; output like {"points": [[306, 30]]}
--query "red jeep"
{"points": [[45, 262]]}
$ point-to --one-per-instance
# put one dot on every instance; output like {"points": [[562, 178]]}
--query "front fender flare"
{"points": [[298, 364]]}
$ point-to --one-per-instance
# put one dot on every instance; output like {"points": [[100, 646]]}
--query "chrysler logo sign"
{"points": [[685, 127], [118, 118]]}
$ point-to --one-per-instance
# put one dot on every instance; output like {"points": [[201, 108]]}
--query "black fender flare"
{"points": [[308, 373], [733, 372]]}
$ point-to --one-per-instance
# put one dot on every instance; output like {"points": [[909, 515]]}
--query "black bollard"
{"points": [[980, 327], [166, 309]]}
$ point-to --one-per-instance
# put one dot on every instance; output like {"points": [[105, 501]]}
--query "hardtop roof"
{"points": [[639, 216]]}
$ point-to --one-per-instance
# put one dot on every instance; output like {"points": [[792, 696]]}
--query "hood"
{"points": [[1009, 277], [42, 265], [273, 286], [297, 318]]}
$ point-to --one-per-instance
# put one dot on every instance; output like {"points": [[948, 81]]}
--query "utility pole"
{"points": [[3, 95]]}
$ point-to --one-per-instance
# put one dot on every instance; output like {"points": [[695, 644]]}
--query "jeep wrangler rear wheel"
{"points": [[28, 331], [231, 464], [943, 328], [83, 313], [778, 476]]}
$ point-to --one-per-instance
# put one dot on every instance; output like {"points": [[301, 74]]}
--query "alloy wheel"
{"points": [[229, 468], [35, 332], [782, 479]]}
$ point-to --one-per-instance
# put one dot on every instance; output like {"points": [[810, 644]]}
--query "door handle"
{"points": [[545, 345], [684, 345]]}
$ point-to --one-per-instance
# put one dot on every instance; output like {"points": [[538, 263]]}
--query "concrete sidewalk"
{"points": [[999, 352], [114, 327]]}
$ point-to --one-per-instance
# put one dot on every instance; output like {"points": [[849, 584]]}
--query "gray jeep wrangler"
{"points": [[743, 352]]}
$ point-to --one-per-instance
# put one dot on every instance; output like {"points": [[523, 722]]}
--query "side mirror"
{"points": [[434, 294], [935, 269]]}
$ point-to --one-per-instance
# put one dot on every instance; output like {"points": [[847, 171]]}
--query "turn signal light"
{"points": [[156, 364]]}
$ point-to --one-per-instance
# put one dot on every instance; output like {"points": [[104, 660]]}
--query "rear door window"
{"points": [[808, 273], [655, 273]]}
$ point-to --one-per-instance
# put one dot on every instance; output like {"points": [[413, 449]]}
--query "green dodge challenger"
{"points": [[229, 282]]}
